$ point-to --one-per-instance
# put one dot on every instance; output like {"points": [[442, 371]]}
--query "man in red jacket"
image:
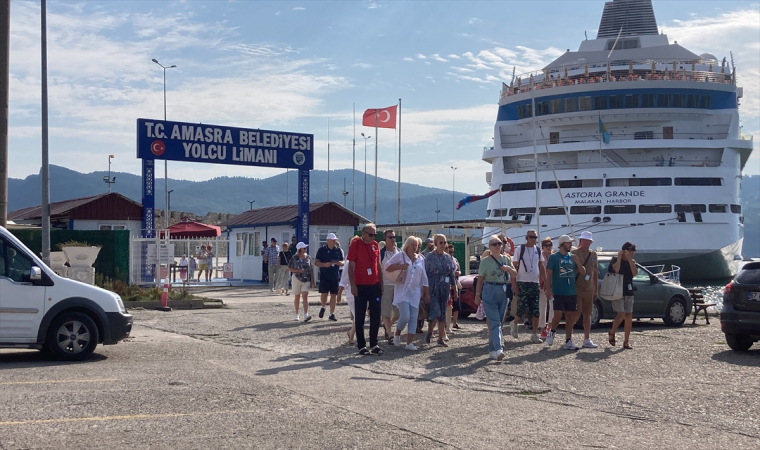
{"points": [[365, 274]]}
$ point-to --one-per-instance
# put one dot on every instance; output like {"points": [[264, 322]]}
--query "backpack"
{"points": [[520, 260]]}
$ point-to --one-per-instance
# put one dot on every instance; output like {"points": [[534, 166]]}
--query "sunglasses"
{"points": [[441, 243], [548, 245], [495, 244], [390, 237], [370, 234], [531, 237]]}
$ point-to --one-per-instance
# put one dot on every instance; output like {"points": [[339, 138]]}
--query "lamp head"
{"points": [[172, 66], [154, 60], [111, 156]]}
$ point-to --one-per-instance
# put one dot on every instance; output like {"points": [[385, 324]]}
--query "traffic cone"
{"points": [[165, 298]]}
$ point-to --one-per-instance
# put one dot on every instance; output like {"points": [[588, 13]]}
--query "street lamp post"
{"points": [[108, 179], [436, 210], [366, 138], [166, 166], [169, 200], [251, 202], [453, 194]]}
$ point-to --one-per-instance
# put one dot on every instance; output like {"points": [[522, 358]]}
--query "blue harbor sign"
{"points": [[193, 142]]}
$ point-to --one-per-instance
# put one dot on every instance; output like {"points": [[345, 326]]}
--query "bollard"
{"points": [[165, 298]]}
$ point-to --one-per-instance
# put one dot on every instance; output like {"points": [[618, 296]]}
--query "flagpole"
{"points": [[535, 153], [328, 159], [398, 206], [353, 167], [374, 219]]}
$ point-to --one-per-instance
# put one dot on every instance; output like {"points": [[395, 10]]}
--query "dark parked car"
{"points": [[740, 316], [653, 297]]}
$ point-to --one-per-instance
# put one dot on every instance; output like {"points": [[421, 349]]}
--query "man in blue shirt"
{"points": [[329, 260], [560, 288]]}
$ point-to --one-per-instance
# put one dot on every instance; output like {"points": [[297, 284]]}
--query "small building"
{"points": [[107, 211], [253, 227]]}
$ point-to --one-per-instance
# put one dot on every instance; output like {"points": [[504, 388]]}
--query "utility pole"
{"points": [[345, 193], [5, 36], [437, 210], [45, 174], [453, 192]]}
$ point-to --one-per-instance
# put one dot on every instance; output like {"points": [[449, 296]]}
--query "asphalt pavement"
{"points": [[250, 376]]}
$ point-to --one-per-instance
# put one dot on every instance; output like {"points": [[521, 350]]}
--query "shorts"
{"points": [[300, 286], [567, 303], [202, 266], [623, 305], [330, 286], [527, 299], [585, 301], [387, 308]]}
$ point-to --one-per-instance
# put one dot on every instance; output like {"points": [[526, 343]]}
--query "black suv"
{"points": [[740, 317]]}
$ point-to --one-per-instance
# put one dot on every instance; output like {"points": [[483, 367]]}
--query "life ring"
{"points": [[511, 247]]}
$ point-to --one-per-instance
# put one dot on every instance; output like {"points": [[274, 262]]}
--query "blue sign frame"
{"points": [[193, 142]]}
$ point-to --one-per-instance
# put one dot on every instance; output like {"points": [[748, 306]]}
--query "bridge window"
{"points": [[736, 209], [584, 103], [542, 108], [692, 101], [632, 101], [571, 184], [690, 208], [586, 209], [500, 212], [653, 209], [699, 181], [704, 102], [552, 211], [679, 100], [643, 135], [518, 187], [616, 101], [555, 106], [647, 101], [525, 111], [663, 100], [571, 104], [718, 208], [612, 182], [521, 211], [620, 209], [600, 102]]}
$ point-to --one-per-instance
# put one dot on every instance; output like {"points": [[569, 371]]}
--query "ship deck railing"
{"points": [[614, 136], [671, 276], [545, 81], [612, 162]]}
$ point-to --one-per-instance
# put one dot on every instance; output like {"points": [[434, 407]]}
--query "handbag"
{"points": [[612, 286], [397, 276]]}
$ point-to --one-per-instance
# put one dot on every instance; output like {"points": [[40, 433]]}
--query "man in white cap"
{"points": [[560, 286], [587, 287], [329, 259]]}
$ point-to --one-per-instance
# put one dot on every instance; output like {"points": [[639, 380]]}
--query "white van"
{"points": [[39, 309]]}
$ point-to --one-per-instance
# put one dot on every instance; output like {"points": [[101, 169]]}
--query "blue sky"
{"points": [[292, 65]]}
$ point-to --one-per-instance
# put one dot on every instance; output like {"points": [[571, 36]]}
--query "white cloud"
{"points": [[474, 20], [453, 56], [362, 65], [421, 56], [299, 8], [406, 58], [437, 57]]}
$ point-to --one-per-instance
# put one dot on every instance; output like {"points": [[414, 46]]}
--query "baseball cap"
{"points": [[332, 237], [565, 238], [586, 235], [429, 241], [301, 245]]}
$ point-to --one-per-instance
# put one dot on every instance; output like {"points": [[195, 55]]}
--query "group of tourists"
{"points": [[202, 261], [409, 286]]}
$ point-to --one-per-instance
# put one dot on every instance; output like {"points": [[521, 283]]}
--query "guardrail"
{"points": [[616, 136], [670, 276]]}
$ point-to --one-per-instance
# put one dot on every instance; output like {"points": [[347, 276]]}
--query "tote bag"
{"points": [[397, 276], [612, 287]]}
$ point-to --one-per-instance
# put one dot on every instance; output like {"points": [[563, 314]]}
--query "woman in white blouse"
{"points": [[411, 286]]}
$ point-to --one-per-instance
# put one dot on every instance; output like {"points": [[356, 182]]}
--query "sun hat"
{"points": [[332, 237], [587, 235], [565, 238], [301, 245]]}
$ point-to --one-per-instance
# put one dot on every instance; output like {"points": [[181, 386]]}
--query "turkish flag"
{"points": [[386, 117]]}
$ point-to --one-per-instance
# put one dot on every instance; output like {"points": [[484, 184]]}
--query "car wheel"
{"points": [[739, 342], [596, 313], [72, 336], [675, 313]]}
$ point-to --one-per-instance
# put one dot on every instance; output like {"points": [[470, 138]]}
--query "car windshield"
{"points": [[749, 275]]}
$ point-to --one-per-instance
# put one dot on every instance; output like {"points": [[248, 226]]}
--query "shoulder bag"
{"points": [[397, 276], [612, 286]]}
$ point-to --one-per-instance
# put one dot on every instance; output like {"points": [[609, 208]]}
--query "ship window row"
{"points": [[516, 213], [614, 101], [614, 182]]}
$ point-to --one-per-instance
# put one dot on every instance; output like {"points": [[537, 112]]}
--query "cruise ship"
{"points": [[631, 137]]}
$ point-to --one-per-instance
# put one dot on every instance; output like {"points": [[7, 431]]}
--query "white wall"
{"points": [[133, 225]]}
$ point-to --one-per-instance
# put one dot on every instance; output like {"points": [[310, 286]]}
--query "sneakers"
{"points": [[550, 337], [442, 343], [446, 337], [588, 343], [396, 340], [333, 318], [543, 335], [306, 317], [513, 329], [569, 345], [376, 350], [410, 347], [364, 351], [498, 355], [298, 319], [321, 313], [535, 339]]}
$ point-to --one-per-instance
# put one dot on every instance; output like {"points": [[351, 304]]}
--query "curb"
{"points": [[177, 304]]}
